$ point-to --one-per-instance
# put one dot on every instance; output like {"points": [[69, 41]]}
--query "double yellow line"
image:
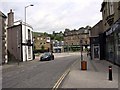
{"points": [[62, 77]]}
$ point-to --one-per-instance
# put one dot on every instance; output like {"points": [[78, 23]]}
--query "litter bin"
{"points": [[83, 65]]}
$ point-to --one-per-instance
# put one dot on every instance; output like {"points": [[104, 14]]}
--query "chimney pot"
{"points": [[10, 10], [10, 18]]}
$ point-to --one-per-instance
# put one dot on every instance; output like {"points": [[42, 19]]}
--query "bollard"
{"points": [[110, 73]]}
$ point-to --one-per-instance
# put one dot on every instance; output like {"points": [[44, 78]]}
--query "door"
{"points": [[96, 52]]}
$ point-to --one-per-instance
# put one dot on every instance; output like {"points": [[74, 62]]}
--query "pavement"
{"points": [[96, 75]]}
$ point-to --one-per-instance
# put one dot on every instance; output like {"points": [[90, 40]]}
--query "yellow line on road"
{"points": [[62, 77]]}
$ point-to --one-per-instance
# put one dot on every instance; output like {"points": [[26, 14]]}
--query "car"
{"points": [[47, 56]]}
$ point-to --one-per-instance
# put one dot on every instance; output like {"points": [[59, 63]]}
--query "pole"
{"points": [[25, 36], [81, 50], [25, 32], [81, 54], [110, 73]]}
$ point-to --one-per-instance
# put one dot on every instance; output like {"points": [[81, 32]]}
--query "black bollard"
{"points": [[110, 73]]}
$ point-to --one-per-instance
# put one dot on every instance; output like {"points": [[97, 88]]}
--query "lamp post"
{"points": [[81, 49], [25, 30]]}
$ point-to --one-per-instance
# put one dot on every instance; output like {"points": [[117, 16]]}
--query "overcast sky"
{"points": [[55, 15]]}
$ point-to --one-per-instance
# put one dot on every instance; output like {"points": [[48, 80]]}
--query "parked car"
{"points": [[47, 56]]}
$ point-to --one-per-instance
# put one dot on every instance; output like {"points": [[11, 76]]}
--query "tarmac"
{"points": [[96, 75], [37, 58]]}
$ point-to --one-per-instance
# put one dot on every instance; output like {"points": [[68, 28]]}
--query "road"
{"points": [[36, 74]]}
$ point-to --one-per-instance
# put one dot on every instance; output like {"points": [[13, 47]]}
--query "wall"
{"points": [[0, 40], [3, 53], [14, 43], [97, 29], [42, 41], [27, 54]]}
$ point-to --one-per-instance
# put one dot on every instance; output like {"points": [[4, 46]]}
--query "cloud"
{"points": [[56, 15]]}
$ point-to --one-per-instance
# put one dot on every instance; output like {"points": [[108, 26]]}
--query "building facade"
{"points": [[76, 39], [3, 39], [20, 41], [111, 24], [58, 46], [97, 41], [42, 43]]}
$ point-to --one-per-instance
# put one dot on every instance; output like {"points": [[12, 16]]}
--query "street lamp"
{"points": [[81, 49], [25, 28]]}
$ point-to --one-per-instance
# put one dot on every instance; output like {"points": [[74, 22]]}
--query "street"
{"points": [[37, 74]]}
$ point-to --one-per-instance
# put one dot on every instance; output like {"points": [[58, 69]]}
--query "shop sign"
{"points": [[112, 29]]}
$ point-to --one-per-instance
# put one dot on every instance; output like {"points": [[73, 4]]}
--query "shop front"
{"points": [[113, 43], [117, 47], [110, 49]]}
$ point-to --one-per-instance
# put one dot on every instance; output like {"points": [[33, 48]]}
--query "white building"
{"points": [[20, 41], [57, 46]]}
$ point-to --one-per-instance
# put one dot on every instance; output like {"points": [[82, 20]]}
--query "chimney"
{"points": [[10, 18]]}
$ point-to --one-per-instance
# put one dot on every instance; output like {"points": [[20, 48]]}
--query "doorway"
{"points": [[96, 52]]}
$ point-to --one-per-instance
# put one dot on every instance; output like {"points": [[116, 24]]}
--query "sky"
{"points": [[55, 15]]}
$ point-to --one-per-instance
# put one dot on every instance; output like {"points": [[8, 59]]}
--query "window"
{"points": [[105, 24], [29, 35], [111, 7], [108, 12], [119, 5], [29, 52], [38, 38]]}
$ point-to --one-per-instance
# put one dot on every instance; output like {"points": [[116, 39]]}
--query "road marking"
{"points": [[61, 79], [57, 84]]}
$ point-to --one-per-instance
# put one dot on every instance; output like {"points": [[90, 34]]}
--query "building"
{"points": [[20, 42], [58, 46], [74, 39], [42, 43], [111, 24], [97, 41], [3, 39]]}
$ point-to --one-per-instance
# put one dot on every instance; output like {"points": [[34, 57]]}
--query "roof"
{"points": [[3, 15], [97, 23]]}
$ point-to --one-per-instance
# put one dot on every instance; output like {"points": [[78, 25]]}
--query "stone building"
{"points": [[20, 41], [42, 43], [74, 39], [97, 41], [111, 25], [3, 39]]}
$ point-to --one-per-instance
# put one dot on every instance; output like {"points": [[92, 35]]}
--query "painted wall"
{"points": [[27, 54]]}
